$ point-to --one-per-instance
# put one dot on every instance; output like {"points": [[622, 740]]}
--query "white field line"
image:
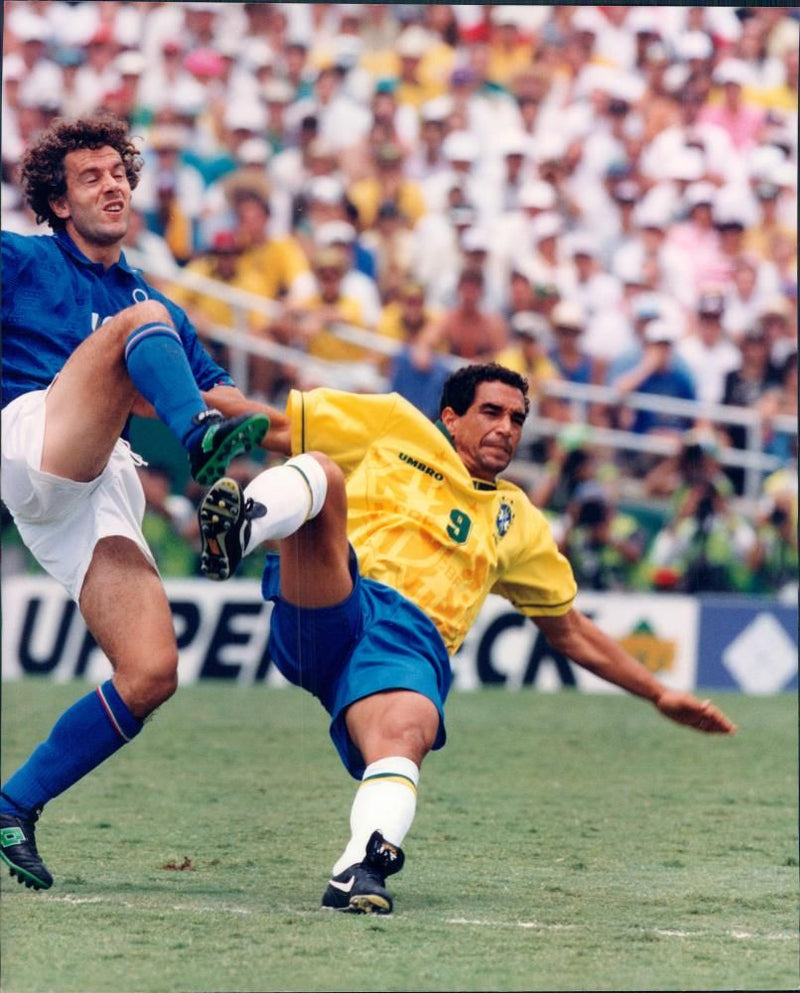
{"points": [[530, 925], [196, 908], [199, 908], [661, 932], [746, 935]]}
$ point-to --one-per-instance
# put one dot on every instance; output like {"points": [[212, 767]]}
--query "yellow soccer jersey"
{"points": [[420, 523], [325, 344], [276, 264]]}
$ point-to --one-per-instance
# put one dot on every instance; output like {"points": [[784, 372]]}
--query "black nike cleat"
{"points": [[222, 441], [18, 851], [360, 889], [224, 517]]}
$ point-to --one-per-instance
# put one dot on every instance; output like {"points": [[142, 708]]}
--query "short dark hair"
{"points": [[43, 177], [460, 387]]}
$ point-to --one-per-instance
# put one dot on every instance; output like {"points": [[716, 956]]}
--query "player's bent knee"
{"points": [[147, 312], [163, 686], [335, 498], [411, 743], [333, 473], [155, 694], [417, 739], [144, 690], [400, 731], [135, 316]]}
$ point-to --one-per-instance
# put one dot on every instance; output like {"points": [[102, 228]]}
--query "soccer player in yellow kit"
{"points": [[390, 542]]}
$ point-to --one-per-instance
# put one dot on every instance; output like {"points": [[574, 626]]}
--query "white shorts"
{"points": [[59, 519]]}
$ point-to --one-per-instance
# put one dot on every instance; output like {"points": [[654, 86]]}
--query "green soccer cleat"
{"points": [[222, 441], [360, 889], [18, 851]]}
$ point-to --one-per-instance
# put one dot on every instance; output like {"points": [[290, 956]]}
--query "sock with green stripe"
{"points": [[85, 735], [293, 493], [386, 801]]}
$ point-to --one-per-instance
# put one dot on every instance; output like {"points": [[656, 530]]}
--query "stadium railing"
{"points": [[365, 376]]}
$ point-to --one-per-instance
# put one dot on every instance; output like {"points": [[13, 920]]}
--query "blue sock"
{"points": [[95, 727], [158, 366]]}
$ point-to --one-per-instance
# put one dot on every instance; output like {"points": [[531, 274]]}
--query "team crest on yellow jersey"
{"points": [[505, 515]]}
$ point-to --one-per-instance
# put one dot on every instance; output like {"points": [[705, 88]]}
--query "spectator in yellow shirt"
{"points": [[223, 264], [409, 316], [391, 242], [387, 185], [309, 323], [758, 237], [527, 353], [510, 52], [422, 66], [279, 264]]}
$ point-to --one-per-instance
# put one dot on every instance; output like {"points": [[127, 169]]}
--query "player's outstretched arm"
{"points": [[582, 641]]}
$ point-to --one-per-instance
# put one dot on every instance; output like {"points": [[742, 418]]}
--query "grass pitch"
{"points": [[561, 842]]}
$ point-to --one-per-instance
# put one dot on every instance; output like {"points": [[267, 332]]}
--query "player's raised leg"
{"points": [[138, 352], [125, 607], [284, 502]]}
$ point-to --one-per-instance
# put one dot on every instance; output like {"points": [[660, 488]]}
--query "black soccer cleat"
{"points": [[18, 851], [360, 889], [224, 518], [222, 441]]}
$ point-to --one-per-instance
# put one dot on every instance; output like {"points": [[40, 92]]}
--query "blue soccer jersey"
{"points": [[54, 298]]}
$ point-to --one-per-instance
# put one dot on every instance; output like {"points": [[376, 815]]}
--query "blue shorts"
{"points": [[375, 640]]}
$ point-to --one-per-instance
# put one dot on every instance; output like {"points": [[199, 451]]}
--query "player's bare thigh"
{"points": [[92, 396], [125, 606]]}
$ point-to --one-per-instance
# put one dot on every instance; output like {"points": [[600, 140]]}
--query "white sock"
{"points": [[386, 801], [293, 493]]}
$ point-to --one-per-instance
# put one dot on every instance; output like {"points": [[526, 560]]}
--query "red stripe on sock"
{"points": [[110, 714]]}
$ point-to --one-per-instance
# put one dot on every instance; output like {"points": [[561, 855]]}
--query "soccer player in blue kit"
{"points": [[86, 343]]}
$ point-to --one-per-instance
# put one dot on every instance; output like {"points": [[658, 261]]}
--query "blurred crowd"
{"points": [[601, 195]]}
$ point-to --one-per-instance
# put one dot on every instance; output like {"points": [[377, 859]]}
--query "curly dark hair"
{"points": [[43, 178], [460, 387]]}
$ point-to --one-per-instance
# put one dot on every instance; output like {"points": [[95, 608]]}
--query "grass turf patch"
{"points": [[562, 841]]}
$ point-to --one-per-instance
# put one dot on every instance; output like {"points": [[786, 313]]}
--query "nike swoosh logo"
{"points": [[344, 887]]}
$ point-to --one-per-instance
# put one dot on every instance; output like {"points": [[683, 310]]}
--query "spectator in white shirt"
{"points": [[98, 74], [596, 290], [342, 121], [708, 351], [743, 300], [427, 159], [545, 234], [507, 174], [721, 161], [461, 151], [510, 232], [648, 247]]}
